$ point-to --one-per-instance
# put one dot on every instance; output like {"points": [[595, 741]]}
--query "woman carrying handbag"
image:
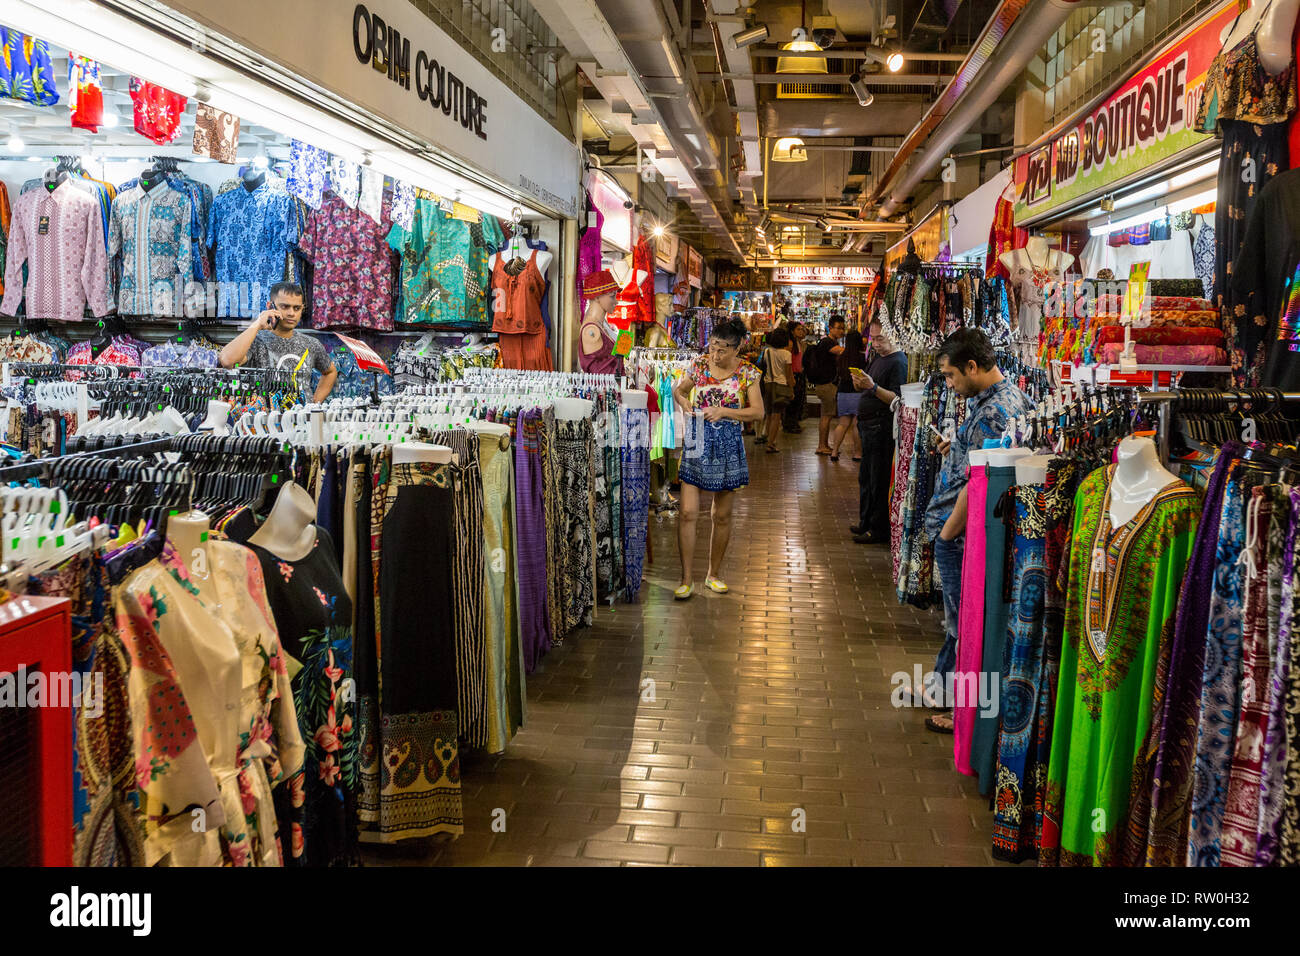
{"points": [[778, 383]]}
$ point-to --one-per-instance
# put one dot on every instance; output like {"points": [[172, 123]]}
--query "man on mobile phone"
{"points": [[273, 335]]}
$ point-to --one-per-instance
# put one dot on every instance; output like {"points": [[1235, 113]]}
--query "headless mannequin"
{"points": [[253, 178], [288, 532], [1037, 255], [151, 179], [217, 421], [511, 252], [622, 273], [188, 534], [1276, 22], [1032, 469], [1139, 476], [635, 398], [596, 337], [416, 452], [573, 409]]}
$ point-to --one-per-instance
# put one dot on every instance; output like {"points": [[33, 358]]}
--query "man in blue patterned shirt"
{"points": [[969, 365]]}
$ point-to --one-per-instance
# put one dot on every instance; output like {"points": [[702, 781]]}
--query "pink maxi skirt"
{"points": [[970, 619]]}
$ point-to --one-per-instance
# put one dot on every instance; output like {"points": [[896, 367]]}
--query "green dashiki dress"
{"points": [[1122, 587]]}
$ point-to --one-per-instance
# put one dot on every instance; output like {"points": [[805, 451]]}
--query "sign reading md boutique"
{"points": [[1149, 119], [395, 63]]}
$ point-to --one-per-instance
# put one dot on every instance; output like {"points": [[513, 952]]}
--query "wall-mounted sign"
{"points": [[694, 267], [823, 275], [1148, 120], [734, 279]]}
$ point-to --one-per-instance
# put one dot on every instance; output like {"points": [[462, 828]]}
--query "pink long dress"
{"points": [[970, 621]]}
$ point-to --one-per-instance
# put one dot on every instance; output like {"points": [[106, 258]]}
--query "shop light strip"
{"points": [[1182, 205]]}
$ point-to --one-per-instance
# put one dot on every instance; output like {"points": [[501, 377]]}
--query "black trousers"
{"points": [[794, 411], [874, 474]]}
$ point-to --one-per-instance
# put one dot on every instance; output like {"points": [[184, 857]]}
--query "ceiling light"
{"points": [[823, 224], [801, 64], [789, 149], [109, 120], [16, 144], [755, 34], [260, 162], [766, 224], [34, 159], [859, 88], [657, 232], [894, 62]]}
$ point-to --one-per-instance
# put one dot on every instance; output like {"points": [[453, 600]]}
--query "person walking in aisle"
{"points": [[778, 383], [879, 387], [819, 367], [718, 393], [854, 356], [794, 411], [273, 335], [969, 364]]}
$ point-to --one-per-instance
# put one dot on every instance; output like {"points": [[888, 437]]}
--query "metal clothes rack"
{"points": [[41, 467], [1169, 403]]}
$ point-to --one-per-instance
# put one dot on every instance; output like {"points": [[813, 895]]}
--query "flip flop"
{"points": [[820, 452], [939, 723]]}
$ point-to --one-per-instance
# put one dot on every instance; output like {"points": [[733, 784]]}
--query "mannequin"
{"points": [[622, 273], [1139, 476], [1276, 21], [573, 409], [152, 178], [518, 291], [544, 258], [253, 178], [635, 398], [217, 421], [596, 333], [1033, 269], [188, 534], [1032, 469], [288, 532], [416, 452], [1006, 457], [1038, 255], [597, 337]]}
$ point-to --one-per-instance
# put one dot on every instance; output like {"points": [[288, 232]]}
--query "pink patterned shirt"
{"points": [[60, 235], [353, 280]]}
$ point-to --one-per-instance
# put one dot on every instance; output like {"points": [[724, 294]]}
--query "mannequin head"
{"points": [[968, 362], [606, 301]]}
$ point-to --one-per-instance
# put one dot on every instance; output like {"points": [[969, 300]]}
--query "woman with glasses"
{"points": [[718, 394]]}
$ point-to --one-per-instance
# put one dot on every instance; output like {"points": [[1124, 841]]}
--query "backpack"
{"points": [[818, 365]]}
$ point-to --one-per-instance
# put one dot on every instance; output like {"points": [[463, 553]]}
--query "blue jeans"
{"points": [[947, 558]]}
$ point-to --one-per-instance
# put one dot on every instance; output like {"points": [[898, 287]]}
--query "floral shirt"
{"points": [[727, 393], [445, 273], [26, 71], [158, 111], [345, 180], [308, 172], [179, 355], [59, 234], [987, 415], [151, 232], [352, 279], [85, 93], [252, 233]]}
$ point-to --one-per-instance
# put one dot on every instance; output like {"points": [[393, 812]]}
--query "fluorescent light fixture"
{"points": [[859, 88], [1182, 205], [109, 120], [755, 34], [15, 144], [34, 159]]}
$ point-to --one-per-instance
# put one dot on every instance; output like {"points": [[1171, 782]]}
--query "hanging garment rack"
{"points": [[1204, 399], [41, 468]]}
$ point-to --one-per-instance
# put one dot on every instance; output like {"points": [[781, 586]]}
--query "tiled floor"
{"points": [[707, 731]]}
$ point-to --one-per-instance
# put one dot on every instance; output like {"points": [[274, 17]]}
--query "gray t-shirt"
{"points": [[268, 349]]}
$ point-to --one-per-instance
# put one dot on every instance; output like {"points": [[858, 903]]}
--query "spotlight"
{"points": [[859, 88], [823, 37], [755, 34], [657, 232], [765, 225], [894, 61], [822, 224], [109, 120]]}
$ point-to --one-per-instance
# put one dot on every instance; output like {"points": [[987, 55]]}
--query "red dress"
{"points": [[517, 315]]}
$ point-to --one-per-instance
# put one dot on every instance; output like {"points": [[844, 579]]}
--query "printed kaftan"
{"points": [[1122, 593]]}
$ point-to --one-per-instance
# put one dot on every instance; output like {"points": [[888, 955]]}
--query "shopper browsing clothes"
{"points": [[819, 367], [719, 392], [968, 363], [273, 335], [778, 383], [854, 356], [881, 384]]}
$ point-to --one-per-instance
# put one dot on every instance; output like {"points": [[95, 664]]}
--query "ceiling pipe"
{"points": [[1018, 29]]}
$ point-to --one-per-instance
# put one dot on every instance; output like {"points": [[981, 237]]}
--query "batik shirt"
{"points": [[151, 232], [987, 415], [445, 273], [158, 111], [308, 172], [345, 180], [252, 234], [179, 355], [26, 72], [352, 281], [58, 234], [403, 205]]}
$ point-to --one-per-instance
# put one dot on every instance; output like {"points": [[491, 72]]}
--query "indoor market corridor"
{"points": [[768, 699]]}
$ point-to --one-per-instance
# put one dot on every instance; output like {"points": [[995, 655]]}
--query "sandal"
{"points": [[715, 585], [683, 592], [940, 723], [835, 457], [826, 452], [770, 450]]}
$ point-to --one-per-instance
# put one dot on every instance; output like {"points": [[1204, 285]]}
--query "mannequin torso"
{"points": [[413, 452], [573, 409], [1032, 469], [635, 398], [188, 534], [1036, 259], [288, 532], [543, 258], [1276, 21], [1139, 476]]}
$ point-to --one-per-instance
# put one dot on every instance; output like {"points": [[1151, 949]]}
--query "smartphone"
{"points": [[938, 434], [275, 323], [859, 372]]}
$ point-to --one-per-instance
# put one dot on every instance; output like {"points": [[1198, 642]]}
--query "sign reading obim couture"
{"points": [[1147, 120]]}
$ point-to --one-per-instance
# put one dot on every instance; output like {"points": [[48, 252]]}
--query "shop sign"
{"points": [[694, 267], [1149, 119], [734, 279], [396, 64], [823, 275]]}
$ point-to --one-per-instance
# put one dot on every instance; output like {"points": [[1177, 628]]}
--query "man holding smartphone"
{"points": [[272, 336]]}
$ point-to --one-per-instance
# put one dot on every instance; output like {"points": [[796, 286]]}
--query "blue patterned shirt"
{"points": [[987, 415], [252, 233], [151, 232]]}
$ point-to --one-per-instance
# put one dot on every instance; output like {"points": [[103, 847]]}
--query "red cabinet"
{"points": [[35, 732]]}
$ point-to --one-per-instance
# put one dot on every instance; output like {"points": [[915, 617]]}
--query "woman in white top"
{"points": [[778, 383]]}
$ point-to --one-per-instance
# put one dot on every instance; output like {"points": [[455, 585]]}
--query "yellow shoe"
{"points": [[685, 591], [715, 585]]}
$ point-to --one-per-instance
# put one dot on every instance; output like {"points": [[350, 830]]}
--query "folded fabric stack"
{"points": [[1168, 344]]}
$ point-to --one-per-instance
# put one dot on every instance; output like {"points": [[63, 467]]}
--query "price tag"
{"points": [[1098, 560]]}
